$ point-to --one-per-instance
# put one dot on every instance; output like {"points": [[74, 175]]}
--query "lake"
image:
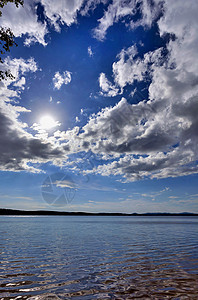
{"points": [[98, 257]]}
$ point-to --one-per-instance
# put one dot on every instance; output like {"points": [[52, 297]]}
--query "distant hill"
{"points": [[5, 211]]}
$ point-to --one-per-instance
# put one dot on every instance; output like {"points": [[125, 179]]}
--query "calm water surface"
{"points": [[80, 257]]}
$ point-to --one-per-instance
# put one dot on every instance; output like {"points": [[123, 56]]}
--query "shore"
{"points": [[5, 211]]}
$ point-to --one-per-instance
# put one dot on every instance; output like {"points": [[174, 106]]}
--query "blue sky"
{"points": [[105, 92]]}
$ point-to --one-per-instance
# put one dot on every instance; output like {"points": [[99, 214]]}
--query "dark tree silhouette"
{"points": [[6, 39]]}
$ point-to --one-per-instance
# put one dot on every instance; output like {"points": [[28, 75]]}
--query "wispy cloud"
{"points": [[16, 197], [64, 184]]}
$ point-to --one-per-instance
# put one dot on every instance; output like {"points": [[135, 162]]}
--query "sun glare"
{"points": [[47, 122]]}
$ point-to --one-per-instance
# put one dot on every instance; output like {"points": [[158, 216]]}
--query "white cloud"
{"points": [[61, 12], [156, 138], [108, 89], [90, 52], [20, 83], [23, 21], [150, 12], [90, 5], [128, 69], [65, 184], [59, 79], [77, 120], [18, 67], [19, 149], [118, 10]]}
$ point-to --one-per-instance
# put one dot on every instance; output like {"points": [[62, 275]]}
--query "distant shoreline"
{"points": [[5, 211]]}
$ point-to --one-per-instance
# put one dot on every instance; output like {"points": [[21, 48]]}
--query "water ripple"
{"points": [[50, 258]]}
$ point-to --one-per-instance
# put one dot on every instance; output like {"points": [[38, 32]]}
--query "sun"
{"points": [[47, 122]]}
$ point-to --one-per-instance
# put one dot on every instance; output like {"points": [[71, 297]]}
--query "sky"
{"points": [[102, 113]]}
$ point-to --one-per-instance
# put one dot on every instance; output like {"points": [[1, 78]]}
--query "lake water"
{"points": [[95, 257]]}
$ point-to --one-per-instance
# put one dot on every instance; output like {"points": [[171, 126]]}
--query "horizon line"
{"points": [[10, 211]]}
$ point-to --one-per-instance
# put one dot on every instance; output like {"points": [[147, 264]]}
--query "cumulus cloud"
{"points": [[11, 89], [143, 140], [116, 11], [155, 138], [129, 68], [107, 88], [127, 11], [61, 12], [90, 5], [150, 11], [24, 21], [20, 66], [20, 83], [59, 80], [20, 150]]}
